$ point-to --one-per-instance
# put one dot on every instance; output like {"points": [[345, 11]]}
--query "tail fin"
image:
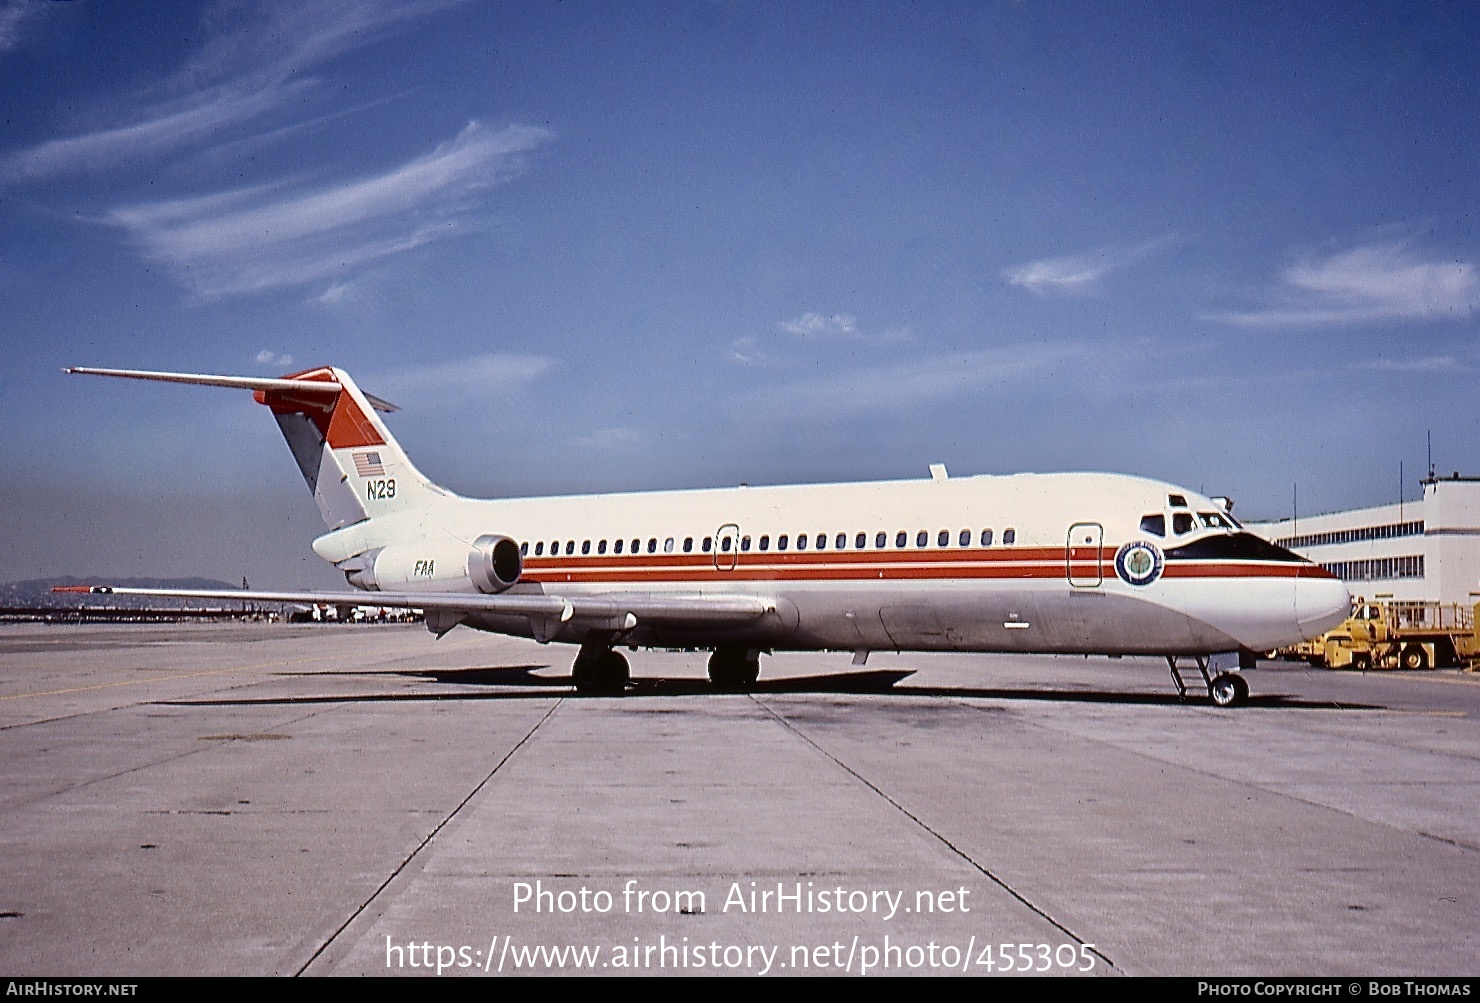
{"points": [[352, 464]]}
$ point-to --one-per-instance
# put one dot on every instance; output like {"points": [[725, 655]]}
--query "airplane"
{"points": [[1081, 563]]}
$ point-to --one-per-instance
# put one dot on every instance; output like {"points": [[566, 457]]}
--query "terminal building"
{"points": [[1418, 551]]}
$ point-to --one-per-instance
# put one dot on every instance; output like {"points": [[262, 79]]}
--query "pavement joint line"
{"points": [[158, 679], [401, 867], [1270, 787], [999, 882], [151, 765]]}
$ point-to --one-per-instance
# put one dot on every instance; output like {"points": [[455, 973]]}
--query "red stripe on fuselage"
{"points": [[1026, 563]]}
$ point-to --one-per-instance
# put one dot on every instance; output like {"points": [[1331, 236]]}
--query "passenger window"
{"points": [[601, 547], [570, 547], [881, 540], [688, 544], [539, 548], [965, 538], [901, 538], [705, 546], [766, 541], [668, 545], [821, 541], [860, 541], [617, 547], [652, 545], [922, 538], [745, 543], [781, 542], [636, 545], [1156, 524], [585, 546], [842, 541], [1182, 522], [801, 541], [724, 543], [943, 539], [1009, 537], [986, 538]]}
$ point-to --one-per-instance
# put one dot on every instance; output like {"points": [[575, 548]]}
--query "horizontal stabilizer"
{"points": [[239, 382]]}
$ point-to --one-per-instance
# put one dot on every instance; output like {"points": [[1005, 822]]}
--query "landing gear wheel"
{"points": [[1415, 657], [604, 674], [1228, 689], [734, 668]]}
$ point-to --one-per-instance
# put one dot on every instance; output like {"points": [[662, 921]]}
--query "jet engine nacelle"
{"points": [[493, 564]]}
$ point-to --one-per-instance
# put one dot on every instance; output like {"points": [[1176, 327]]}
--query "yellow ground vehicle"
{"points": [[1406, 635]]}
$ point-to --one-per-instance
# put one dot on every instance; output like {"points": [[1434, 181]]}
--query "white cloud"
{"points": [[266, 237], [267, 357], [914, 383], [492, 371], [1078, 274], [14, 14], [254, 62], [1423, 364], [815, 325], [1372, 283], [607, 438]]}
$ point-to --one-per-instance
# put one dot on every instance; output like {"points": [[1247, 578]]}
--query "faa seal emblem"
{"points": [[1139, 563]]}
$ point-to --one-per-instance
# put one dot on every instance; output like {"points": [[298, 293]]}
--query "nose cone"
{"points": [[1320, 604]]}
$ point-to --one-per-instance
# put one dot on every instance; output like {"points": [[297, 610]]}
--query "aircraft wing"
{"points": [[690, 609]]}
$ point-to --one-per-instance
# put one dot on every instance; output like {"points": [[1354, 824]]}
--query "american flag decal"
{"points": [[368, 465]]}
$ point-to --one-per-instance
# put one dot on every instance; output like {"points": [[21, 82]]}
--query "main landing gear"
{"points": [[1225, 689], [734, 668], [599, 670]]}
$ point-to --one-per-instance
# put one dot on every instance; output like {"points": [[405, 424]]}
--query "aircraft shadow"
{"points": [[520, 682]]}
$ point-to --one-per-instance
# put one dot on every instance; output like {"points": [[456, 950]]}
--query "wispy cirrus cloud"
{"points": [[275, 236], [912, 383], [1376, 282], [815, 325], [480, 373], [255, 61], [1422, 364], [607, 439], [1078, 274], [15, 15]]}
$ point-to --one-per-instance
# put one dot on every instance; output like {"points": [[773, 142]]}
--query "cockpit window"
{"points": [[1182, 522], [1213, 520], [1176, 501], [1155, 524]]}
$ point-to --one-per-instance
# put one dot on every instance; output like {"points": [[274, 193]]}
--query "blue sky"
{"points": [[627, 246]]}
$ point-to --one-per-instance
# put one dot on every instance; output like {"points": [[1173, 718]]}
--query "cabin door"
{"points": [[1082, 555], [726, 547]]}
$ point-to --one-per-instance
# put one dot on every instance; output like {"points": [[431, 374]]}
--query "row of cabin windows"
{"points": [[783, 542]]}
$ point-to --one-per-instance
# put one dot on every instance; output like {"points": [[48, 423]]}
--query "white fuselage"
{"points": [[1026, 562]]}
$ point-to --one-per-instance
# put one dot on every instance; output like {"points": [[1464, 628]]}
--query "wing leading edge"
{"points": [[697, 610]]}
